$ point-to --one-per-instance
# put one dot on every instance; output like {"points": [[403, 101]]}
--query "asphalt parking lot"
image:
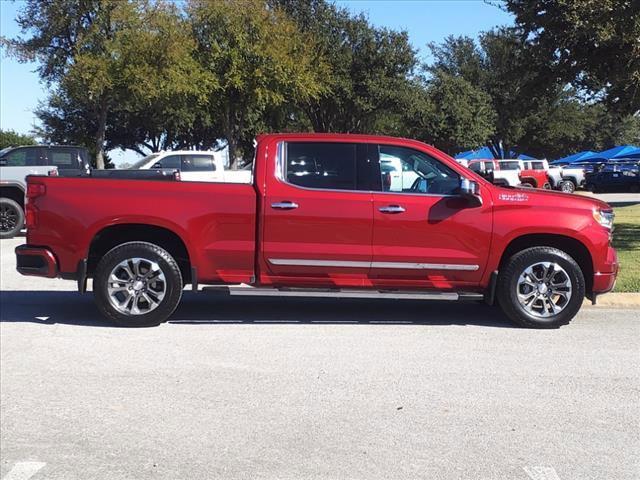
{"points": [[311, 389]]}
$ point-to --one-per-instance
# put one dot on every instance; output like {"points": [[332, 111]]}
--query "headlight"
{"points": [[604, 217]]}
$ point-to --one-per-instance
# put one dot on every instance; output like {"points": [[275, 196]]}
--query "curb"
{"points": [[616, 300]]}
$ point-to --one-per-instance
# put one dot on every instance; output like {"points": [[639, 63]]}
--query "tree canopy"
{"points": [[9, 138], [594, 44], [152, 74]]}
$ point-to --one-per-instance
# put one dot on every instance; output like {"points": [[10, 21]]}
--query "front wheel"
{"points": [[567, 186], [137, 284], [11, 218], [541, 287]]}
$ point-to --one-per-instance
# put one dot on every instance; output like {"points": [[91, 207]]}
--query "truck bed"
{"points": [[216, 221]]}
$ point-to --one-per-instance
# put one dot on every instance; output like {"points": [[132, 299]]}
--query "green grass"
{"points": [[626, 240]]}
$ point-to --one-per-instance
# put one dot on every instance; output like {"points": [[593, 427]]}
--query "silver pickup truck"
{"points": [[18, 162]]}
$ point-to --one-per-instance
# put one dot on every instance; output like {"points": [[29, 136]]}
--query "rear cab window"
{"points": [[330, 166]]}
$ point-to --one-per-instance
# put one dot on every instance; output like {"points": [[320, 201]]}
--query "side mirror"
{"points": [[470, 190], [157, 165]]}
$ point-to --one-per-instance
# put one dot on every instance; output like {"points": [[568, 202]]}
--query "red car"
{"points": [[319, 218], [535, 174]]}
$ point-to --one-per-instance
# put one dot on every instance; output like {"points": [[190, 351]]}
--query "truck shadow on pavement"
{"points": [[71, 308]]}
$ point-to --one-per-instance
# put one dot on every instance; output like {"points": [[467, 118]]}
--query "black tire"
{"points": [[547, 186], [507, 288], [634, 188], [592, 187], [11, 218], [567, 186], [173, 284]]}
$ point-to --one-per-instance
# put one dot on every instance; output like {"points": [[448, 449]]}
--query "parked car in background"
{"points": [[535, 174], [498, 172], [554, 173], [573, 176], [332, 227], [614, 178], [194, 166], [508, 172], [18, 162]]}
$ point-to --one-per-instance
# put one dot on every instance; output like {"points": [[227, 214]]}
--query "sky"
{"points": [[425, 21]]}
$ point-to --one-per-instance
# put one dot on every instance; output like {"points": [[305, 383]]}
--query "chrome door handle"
{"points": [[284, 205], [392, 209]]}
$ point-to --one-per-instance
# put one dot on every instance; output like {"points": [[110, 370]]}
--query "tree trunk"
{"points": [[232, 145], [101, 133]]}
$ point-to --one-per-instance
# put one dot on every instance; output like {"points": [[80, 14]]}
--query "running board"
{"points": [[343, 293]]}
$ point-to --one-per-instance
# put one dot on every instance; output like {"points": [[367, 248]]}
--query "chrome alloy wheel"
{"points": [[544, 289], [136, 286]]}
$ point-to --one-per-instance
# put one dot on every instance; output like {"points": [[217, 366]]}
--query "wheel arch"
{"points": [[113, 235], [571, 246], [530, 180], [13, 191]]}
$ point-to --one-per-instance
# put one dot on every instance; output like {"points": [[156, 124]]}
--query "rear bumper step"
{"points": [[36, 261], [343, 293]]}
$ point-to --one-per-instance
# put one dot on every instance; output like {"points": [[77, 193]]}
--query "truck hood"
{"points": [[547, 198]]}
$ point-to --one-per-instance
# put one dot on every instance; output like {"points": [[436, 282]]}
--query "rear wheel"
{"points": [[567, 186], [137, 284], [592, 187], [541, 287], [634, 188], [11, 218]]}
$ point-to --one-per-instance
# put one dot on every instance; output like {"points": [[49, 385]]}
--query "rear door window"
{"points": [[322, 165], [198, 163]]}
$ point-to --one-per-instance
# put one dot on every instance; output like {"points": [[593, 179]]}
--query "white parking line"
{"points": [[541, 473], [23, 470]]}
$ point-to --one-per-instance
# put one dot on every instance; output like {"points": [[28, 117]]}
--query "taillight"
{"points": [[30, 215], [53, 173], [35, 190]]}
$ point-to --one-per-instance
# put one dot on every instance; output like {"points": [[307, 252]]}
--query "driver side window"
{"points": [[404, 170]]}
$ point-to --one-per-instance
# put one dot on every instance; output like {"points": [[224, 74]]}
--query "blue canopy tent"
{"points": [[573, 158], [616, 152], [631, 152]]}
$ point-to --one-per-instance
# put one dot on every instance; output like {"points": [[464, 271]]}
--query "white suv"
{"points": [[194, 166]]}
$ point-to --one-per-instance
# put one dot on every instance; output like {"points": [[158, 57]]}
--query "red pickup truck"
{"points": [[323, 215]]}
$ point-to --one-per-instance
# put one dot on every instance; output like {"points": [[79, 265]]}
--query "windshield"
{"points": [[143, 161]]}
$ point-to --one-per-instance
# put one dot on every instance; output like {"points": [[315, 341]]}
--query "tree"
{"points": [[462, 115], [104, 56], [501, 67], [9, 138], [369, 85], [595, 44], [260, 61]]}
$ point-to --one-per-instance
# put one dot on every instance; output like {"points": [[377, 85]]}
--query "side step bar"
{"points": [[343, 293]]}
